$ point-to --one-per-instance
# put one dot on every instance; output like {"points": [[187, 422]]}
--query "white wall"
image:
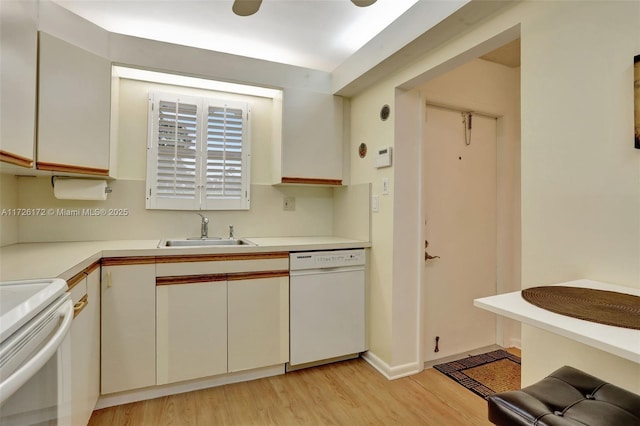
{"points": [[8, 202], [313, 215], [580, 173], [367, 128]]}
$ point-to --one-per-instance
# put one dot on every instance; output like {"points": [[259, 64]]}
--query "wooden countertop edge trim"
{"points": [[95, 265], [142, 260], [221, 257], [237, 276], [205, 278], [73, 281], [190, 279]]}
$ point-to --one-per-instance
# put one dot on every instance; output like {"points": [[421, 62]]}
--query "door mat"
{"points": [[485, 374]]}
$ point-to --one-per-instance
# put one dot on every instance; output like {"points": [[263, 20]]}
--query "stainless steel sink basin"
{"points": [[204, 243]]}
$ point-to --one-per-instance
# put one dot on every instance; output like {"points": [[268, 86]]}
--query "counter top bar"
{"points": [[66, 259], [623, 342]]}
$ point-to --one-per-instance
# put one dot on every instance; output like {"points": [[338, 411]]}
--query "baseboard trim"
{"points": [[472, 352], [515, 343], [391, 373], [176, 388]]}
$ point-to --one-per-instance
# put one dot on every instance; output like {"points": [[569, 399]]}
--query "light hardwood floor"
{"points": [[344, 393]]}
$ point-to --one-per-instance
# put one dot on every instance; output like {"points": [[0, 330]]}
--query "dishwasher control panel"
{"points": [[326, 259]]}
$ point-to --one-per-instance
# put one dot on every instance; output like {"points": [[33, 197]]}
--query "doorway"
{"points": [[459, 205]]}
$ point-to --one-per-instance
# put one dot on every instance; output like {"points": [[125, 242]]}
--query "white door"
{"points": [[459, 205]]}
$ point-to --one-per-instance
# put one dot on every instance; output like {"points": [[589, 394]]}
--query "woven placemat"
{"points": [[601, 306]]}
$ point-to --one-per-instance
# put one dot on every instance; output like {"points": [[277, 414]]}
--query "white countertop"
{"points": [[623, 342], [66, 259]]}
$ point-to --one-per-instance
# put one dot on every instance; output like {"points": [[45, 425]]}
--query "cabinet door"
{"points": [[18, 66], [258, 322], [311, 145], [74, 109], [85, 352], [128, 327], [191, 330]]}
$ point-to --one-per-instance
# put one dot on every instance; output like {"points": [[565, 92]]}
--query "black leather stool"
{"points": [[569, 397]]}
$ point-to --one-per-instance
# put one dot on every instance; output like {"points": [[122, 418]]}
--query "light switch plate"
{"points": [[375, 204], [385, 186]]}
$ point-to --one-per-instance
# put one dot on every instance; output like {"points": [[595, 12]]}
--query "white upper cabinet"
{"points": [[74, 109], [308, 149], [18, 66]]}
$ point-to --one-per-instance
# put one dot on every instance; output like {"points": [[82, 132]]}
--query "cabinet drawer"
{"points": [[221, 264], [77, 287]]}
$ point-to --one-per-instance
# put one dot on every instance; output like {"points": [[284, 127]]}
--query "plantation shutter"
{"points": [[197, 155], [226, 155]]}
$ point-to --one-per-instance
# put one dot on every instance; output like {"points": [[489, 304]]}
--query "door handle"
{"points": [[427, 256]]}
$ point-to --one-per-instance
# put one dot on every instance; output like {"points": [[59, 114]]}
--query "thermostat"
{"points": [[383, 159]]}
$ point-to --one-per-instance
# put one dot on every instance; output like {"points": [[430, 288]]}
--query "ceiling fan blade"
{"points": [[246, 7], [363, 3]]}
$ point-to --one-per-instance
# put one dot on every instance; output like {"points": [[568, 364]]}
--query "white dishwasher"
{"points": [[327, 305]]}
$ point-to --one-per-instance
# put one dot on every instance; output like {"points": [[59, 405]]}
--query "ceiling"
{"points": [[508, 55], [317, 34]]}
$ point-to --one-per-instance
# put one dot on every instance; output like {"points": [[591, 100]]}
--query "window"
{"points": [[198, 153]]}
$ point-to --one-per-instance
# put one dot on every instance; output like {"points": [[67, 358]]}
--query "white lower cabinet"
{"points": [[221, 314], [128, 324], [258, 314], [191, 330], [85, 349], [178, 318]]}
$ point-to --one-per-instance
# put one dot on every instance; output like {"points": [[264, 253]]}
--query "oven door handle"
{"points": [[12, 383]]}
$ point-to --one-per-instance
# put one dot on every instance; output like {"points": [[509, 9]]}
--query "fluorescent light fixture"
{"points": [[199, 83]]}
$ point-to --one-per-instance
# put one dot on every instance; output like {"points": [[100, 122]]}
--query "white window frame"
{"points": [[203, 182]]}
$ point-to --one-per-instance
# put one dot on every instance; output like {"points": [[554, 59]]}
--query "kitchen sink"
{"points": [[205, 243]]}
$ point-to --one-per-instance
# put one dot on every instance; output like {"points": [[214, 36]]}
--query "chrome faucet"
{"points": [[204, 227], [231, 236]]}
